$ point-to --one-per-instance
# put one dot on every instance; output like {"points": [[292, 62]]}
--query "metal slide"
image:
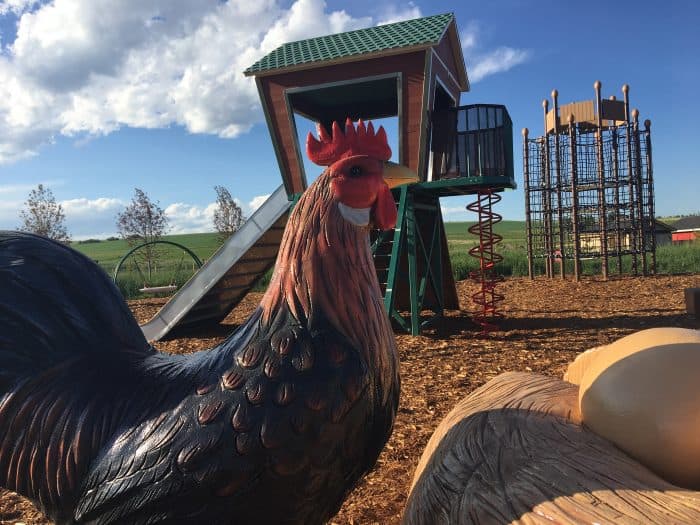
{"points": [[229, 274]]}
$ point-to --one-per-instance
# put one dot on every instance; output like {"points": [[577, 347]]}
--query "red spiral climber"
{"points": [[487, 298]]}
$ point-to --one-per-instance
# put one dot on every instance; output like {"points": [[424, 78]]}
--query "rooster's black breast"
{"points": [[276, 426]]}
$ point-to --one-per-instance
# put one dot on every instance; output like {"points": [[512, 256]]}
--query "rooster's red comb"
{"points": [[360, 141]]}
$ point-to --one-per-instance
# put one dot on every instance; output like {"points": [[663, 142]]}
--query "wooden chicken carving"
{"points": [[275, 425]]}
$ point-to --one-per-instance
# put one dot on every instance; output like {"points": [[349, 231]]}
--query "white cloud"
{"points": [[96, 218], [88, 67], [189, 218], [186, 218], [16, 6], [455, 209], [497, 61], [257, 202], [307, 19], [82, 207], [468, 36], [7, 189], [392, 13], [85, 68], [13, 198], [92, 218], [481, 64], [9, 213]]}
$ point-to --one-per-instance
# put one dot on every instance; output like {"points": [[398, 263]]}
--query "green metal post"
{"points": [[412, 264], [396, 253]]}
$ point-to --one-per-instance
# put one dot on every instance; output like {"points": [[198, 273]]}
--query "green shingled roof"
{"points": [[419, 32]]}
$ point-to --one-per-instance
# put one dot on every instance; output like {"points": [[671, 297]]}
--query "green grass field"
{"points": [[174, 266], [670, 258], [512, 231], [108, 253]]}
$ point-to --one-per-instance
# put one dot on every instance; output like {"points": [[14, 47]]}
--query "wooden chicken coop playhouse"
{"points": [[413, 70]]}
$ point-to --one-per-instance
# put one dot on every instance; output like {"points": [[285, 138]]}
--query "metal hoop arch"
{"points": [[196, 259]]}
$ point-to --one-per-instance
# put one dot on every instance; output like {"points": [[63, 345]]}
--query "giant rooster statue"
{"points": [[275, 425]]}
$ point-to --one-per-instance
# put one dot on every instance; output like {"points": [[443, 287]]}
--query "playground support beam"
{"points": [[631, 185], [528, 222], [560, 211], [643, 230], [547, 197], [574, 198], [603, 221], [616, 175], [650, 176]]}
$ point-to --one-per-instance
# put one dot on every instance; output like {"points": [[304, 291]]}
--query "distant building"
{"points": [[663, 233], [590, 240], [686, 229]]}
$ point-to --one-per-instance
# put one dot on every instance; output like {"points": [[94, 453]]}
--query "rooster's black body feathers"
{"points": [[273, 426]]}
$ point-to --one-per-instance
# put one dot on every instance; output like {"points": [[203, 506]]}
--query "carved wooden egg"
{"points": [[642, 392]]}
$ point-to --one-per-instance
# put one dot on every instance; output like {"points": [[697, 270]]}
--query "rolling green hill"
{"points": [[671, 258], [512, 231], [108, 253]]}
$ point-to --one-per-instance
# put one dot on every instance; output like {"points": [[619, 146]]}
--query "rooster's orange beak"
{"points": [[396, 174]]}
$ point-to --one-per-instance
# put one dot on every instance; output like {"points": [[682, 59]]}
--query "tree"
{"points": [[142, 221], [43, 216], [228, 216]]}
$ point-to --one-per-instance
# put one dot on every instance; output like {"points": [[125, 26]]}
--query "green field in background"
{"points": [[511, 231], [671, 259], [108, 253]]}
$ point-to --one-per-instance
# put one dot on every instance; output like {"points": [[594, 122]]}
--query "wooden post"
{"points": [[547, 197], [602, 219], [650, 178], [640, 191], [574, 198], [630, 183], [528, 220], [616, 176], [557, 156]]}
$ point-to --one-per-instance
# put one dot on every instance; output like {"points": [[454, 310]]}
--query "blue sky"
{"points": [[98, 97]]}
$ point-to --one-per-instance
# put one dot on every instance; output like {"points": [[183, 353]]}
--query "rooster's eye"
{"points": [[355, 171]]}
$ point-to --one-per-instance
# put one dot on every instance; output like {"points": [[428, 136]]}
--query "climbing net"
{"points": [[590, 195]]}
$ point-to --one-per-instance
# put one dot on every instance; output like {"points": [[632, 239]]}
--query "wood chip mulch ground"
{"points": [[547, 323]]}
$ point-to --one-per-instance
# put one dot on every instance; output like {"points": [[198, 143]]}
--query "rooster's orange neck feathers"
{"points": [[325, 273]]}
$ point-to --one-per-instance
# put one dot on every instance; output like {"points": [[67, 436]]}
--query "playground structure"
{"points": [[589, 189], [413, 70], [152, 276]]}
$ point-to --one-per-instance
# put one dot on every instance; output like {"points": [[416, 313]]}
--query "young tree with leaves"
{"points": [[142, 221], [228, 216], [43, 215]]}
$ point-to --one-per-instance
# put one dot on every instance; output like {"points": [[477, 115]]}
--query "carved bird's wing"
{"points": [[67, 344], [283, 413]]}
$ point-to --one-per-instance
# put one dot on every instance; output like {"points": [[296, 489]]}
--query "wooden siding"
{"points": [[444, 66], [447, 83], [683, 236], [281, 129], [273, 88]]}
